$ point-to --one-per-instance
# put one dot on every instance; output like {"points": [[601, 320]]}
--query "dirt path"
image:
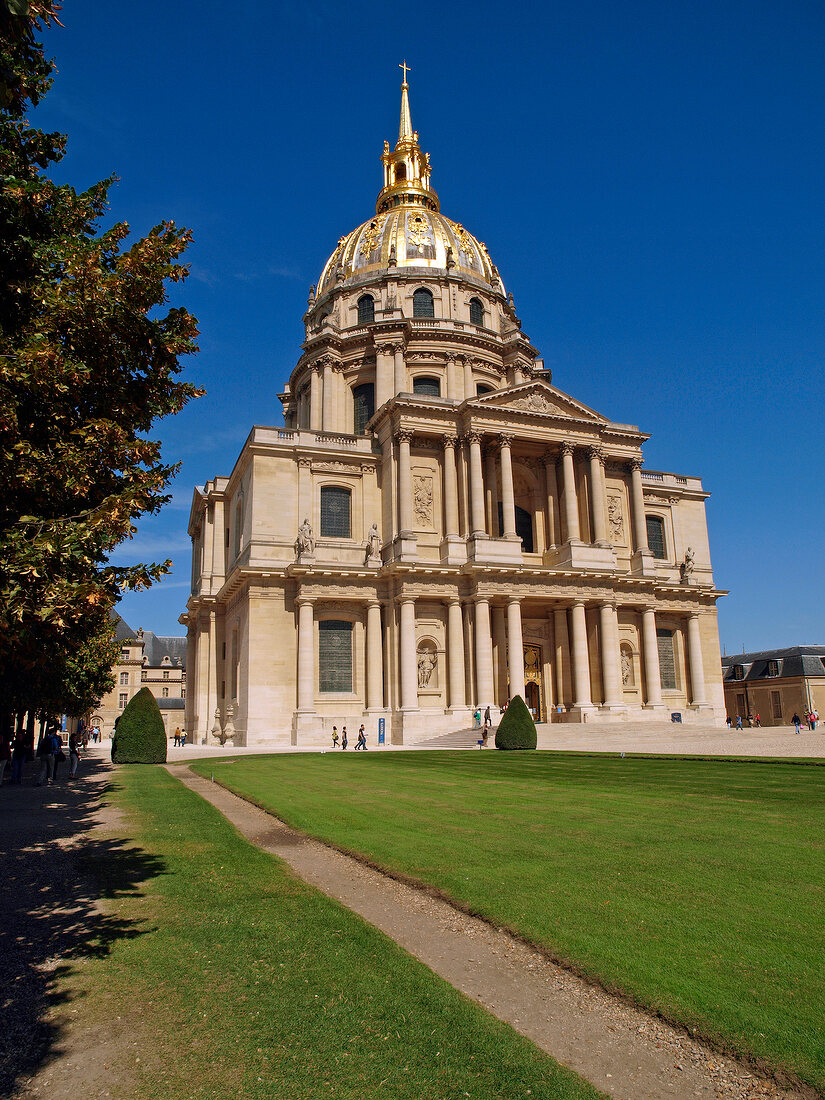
{"points": [[623, 1051]]}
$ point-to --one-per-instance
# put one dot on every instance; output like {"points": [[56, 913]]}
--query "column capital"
{"points": [[550, 458], [693, 615], [304, 601], [634, 464], [449, 442], [608, 603], [407, 599], [453, 600], [514, 599], [596, 452], [404, 435], [505, 439], [578, 603], [451, 356], [373, 601], [472, 437], [566, 448]]}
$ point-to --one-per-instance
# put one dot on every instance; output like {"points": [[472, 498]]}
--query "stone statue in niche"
{"points": [[305, 542], [615, 519], [687, 566], [427, 661], [627, 668], [373, 544]]}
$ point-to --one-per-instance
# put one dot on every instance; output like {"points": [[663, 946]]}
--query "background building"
{"points": [[775, 683], [146, 661], [437, 527]]}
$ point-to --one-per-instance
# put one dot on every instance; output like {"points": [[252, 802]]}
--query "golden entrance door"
{"points": [[534, 683]]}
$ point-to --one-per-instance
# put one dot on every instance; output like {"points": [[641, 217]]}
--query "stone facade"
{"points": [[146, 660], [437, 526], [775, 684]]}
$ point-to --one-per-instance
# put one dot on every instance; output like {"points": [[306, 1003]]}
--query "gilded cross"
{"points": [[406, 68]]}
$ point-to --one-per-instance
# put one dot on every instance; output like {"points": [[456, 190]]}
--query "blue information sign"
{"points": [[382, 725]]}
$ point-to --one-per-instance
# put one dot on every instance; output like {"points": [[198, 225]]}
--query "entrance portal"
{"points": [[534, 695]]}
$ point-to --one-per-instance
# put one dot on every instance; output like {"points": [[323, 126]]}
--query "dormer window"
{"points": [[476, 312], [773, 668], [423, 303], [366, 309], [738, 672]]}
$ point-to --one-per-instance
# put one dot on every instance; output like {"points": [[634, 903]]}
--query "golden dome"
{"points": [[407, 231], [411, 236]]}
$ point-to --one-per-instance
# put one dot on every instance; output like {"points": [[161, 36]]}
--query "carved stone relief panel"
{"points": [[423, 501], [615, 519]]}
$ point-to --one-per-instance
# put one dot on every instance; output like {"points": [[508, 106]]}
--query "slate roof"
{"points": [[155, 647], [798, 660]]}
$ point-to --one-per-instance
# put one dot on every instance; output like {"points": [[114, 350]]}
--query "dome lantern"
{"points": [[406, 168]]}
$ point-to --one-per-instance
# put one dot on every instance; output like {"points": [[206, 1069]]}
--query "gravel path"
{"points": [[620, 1049]]}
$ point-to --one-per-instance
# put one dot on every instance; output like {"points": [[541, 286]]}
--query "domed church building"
{"points": [[436, 527]]}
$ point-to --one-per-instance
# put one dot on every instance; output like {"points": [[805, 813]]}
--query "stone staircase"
{"points": [[456, 739]]}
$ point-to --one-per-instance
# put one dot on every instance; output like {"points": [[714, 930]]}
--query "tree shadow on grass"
{"points": [[54, 876]]}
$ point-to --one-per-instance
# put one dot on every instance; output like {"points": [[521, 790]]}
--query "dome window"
{"points": [[427, 387], [363, 401], [423, 303], [366, 310], [481, 389], [400, 172], [476, 312]]}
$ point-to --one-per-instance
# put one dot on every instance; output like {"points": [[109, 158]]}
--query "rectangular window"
{"points": [[776, 704], [335, 512], [124, 677], [124, 654], [165, 693], [121, 700], [144, 675], [667, 659], [656, 536], [334, 655], [740, 705], [166, 675]]}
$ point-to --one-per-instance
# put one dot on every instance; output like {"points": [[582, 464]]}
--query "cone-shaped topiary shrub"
{"points": [[517, 730], [140, 737]]}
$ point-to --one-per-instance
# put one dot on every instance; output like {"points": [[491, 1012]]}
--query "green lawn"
{"points": [[697, 886], [244, 981]]}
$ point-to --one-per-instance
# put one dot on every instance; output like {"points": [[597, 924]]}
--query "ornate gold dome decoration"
{"points": [[408, 230]]}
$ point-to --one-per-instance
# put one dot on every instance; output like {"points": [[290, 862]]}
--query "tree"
{"points": [[516, 730], [89, 356], [139, 734]]}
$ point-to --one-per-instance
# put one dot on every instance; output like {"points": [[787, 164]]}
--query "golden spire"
{"points": [[405, 130], [406, 168]]}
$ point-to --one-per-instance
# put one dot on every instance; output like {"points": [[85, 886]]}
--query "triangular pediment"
{"points": [[540, 399]]}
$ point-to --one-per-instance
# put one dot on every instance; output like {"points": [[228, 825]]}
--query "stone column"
{"points": [[515, 647], [409, 665], [609, 632], [508, 500], [389, 510], [697, 669], [490, 495], [454, 390], [306, 656], [383, 374], [476, 485], [375, 658], [552, 501], [580, 655], [562, 656], [400, 376], [597, 496], [469, 381], [315, 410], [637, 505], [404, 482], [571, 504], [455, 653], [650, 645], [450, 486], [329, 395], [484, 653], [498, 616]]}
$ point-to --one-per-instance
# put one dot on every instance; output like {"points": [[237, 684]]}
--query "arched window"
{"points": [[335, 512], [476, 312], [423, 303], [366, 310], [656, 536], [427, 387], [482, 389], [363, 401], [334, 655]]}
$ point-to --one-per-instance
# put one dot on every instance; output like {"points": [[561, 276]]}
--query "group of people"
{"points": [[485, 726], [755, 722], [811, 719], [361, 743], [50, 754], [179, 738]]}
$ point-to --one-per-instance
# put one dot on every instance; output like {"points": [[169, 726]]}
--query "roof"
{"points": [[800, 660], [171, 704], [156, 648], [123, 632]]}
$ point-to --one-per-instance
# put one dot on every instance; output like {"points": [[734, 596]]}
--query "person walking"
{"points": [[757, 721], [176, 740], [344, 741], [5, 755], [361, 743], [727, 721], [75, 744], [738, 722], [47, 751], [18, 758], [335, 737], [797, 721]]}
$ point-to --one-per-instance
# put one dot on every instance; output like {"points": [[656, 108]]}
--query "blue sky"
{"points": [[648, 178]]}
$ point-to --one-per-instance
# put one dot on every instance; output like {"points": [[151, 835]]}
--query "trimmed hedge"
{"points": [[140, 737], [516, 730]]}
